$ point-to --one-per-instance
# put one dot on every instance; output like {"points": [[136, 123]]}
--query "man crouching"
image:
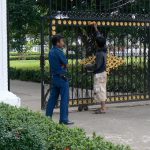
{"points": [[99, 70]]}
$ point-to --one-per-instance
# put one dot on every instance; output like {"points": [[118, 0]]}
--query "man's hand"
{"points": [[64, 66], [89, 67], [95, 27]]}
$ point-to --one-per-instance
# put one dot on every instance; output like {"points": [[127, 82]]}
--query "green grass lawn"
{"points": [[35, 64], [31, 64], [26, 64]]}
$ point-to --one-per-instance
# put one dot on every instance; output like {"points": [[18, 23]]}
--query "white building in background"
{"points": [[5, 95]]}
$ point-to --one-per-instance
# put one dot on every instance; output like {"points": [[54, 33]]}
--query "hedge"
{"points": [[26, 56], [27, 53], [33, 56], [119, 80], [21, 129]]}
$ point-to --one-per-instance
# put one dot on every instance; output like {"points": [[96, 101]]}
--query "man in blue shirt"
{"points": [[60, 84]]}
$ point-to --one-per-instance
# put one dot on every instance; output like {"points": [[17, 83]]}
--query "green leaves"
{"points": [[21, 129], [24, 21]]}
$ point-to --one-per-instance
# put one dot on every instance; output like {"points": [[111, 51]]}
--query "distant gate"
{"points": [[128, 37]]}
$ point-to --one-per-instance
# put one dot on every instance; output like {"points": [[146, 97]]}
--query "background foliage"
{"points": [[24, 21]]}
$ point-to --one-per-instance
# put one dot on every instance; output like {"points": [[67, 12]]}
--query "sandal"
{"points": [[99, 111]]}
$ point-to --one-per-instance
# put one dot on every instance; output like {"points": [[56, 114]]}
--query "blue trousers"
{"points": [[59, 87]]}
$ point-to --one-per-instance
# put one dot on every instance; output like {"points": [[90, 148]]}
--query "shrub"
{"points": [[119, 80], [27, 53], [28, 75], [27, 57], [21, 129], [32, 56]]}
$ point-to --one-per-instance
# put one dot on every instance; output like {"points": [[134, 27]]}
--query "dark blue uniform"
{"points": [[60, 85]]}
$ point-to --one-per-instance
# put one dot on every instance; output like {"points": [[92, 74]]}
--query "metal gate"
{"points": [[127, 29]]}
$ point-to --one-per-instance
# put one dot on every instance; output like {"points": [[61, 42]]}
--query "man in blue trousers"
{"points": [[60, 84]]}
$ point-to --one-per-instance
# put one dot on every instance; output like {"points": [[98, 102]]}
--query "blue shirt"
{"points": [[58, 61]]}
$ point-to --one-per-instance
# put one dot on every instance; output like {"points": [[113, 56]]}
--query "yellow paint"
{"points": [[53, 32], [64, 22], [59, 21], [134, 23], [117, 23], [142, 24], [125, 23], [121, 23], [125, 98], [138, 24], [84, 23], [79, 22], [112, 23], [103, 23], [69, 22], [53, 27], [130, 24], [121, 98], [53, 22], [98, 23], [74, 22], [108, 23], [147, 24]]}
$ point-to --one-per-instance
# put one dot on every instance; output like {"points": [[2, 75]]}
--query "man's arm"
{"points": [[97, 65], [62, 58], [90, 67], [98, 34]]}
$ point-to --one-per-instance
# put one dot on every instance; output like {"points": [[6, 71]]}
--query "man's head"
{"points": [[100, 42], [58, 40]]}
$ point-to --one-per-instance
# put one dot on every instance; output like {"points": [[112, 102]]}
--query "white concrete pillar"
{"points": [[5, 95]]}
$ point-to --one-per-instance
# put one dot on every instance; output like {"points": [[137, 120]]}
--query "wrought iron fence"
{"points": [[100, 9], [126, 26]]}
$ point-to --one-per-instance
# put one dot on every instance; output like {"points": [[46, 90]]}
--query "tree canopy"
{"points": [[24, 19], [24, 15]]}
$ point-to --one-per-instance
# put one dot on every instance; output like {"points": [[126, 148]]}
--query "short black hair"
{"points": [[56, 38], [101, 42]]}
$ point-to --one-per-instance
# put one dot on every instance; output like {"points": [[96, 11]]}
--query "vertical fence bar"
{"points": [[42, 64], [127, 63], [132, 65], [76, 65], [140, 62], [123, 68], [118, 76], [114, 74], [82, 69], [145, 63], [72, 69], [50, 6], [50, 34]]}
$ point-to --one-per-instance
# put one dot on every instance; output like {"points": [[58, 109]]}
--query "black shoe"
{"points": [[66, 123]]}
